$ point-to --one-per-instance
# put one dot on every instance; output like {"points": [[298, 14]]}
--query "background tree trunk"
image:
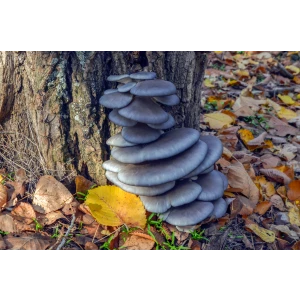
{"points": [[50, 117]]}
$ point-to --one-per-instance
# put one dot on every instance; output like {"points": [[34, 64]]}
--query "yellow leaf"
{"points": [[1, 178], [294, 216], [298, 96], [286, 99], [296, 79], [286, 113], [242, 73], [294, 69], [246, 136], [208, 83], [217, 120], [232, 82], [265, 234], [218, 52], [112, 206]]}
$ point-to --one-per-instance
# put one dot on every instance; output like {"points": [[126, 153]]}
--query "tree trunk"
{"points": [[50, 118]]}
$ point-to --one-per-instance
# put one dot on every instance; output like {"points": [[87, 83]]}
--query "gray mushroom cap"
{"points": [[169, 144], [113, 166], [140, 134], [140, 190], [110, 91], [220, 208], [126, 87], [153, 88], [225, 180], [168, 100], [116, 118], [212, 186], [196, 172], [162, 171], [118, 78], [116, 100], [183, 193], [144, 110], [166, 125], [188, 214], [143, 75], [118, 141]]}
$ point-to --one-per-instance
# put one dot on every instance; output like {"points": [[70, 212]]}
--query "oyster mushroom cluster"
{"points": [[172, 170]]}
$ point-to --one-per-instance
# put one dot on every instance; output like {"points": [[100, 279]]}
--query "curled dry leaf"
{"points": [[265, 234], [112, 206], [28, 242], [276, 175], [24, 212], [53, 216], [50, 195], [277, 201], [238, 178], [282, 128]]}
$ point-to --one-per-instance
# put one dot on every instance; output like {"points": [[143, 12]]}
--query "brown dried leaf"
{"points": [[294, 190], [50, 195], [247, 206], [2, 243], [258, 141], [83, 184], [91, 246], [294, 215], [3, 196], [296, 246], [263, 207], [7, 224], [276, 175], [285, 229], [70, 208], [53, 216], [24, 212], [135, 242], [270, 161], [277, 201], [282, 128], [28, 242], [238, 178]]}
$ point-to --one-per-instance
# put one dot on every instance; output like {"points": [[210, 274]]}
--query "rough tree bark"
{"points": [[53, 99]]}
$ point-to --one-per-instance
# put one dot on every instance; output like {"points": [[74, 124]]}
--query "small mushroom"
{"points": [[116, 118], [113, 166], [118, 141], [110, 91], [144, 110], [188, 214], [212, 186], [118, 78], [166, 125], [162, 171], [168, 100], [169, 144], [143, 75], [126, 87], [140, 134], [153, 88], [116, 100], [220, 208], [140, 190]]}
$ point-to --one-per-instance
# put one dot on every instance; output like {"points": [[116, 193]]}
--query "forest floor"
{"points": [[251, 101]]}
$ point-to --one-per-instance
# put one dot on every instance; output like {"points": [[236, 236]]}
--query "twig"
{"points": [[284, 72], [67, 233]]}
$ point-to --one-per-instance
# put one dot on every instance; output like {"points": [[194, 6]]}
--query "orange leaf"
{"points": [[294, 190], [263, 207]]}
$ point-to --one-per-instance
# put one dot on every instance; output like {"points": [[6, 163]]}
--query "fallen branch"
{"points": [[63, 241]]}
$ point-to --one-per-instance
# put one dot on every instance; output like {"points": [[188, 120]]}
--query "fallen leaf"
{"points": [[276, 175], [218, 120], [258, 141], [286, 99], [7, 224], [239, 178], [247, 206], [246, 106], [50, 195], [3, 196], [53, 216], [208, 83], [294, 69], [269, 161], [277, 201], [83, 184], [265, 234], [282, 128], [296, 246], [71, 208], [28, 242], [2, 243], [286, 113], [24, 212], [263, 207], [294, 216], [90, 246], [112, 206], [135, 242], [293, 192], [285, 229]]}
